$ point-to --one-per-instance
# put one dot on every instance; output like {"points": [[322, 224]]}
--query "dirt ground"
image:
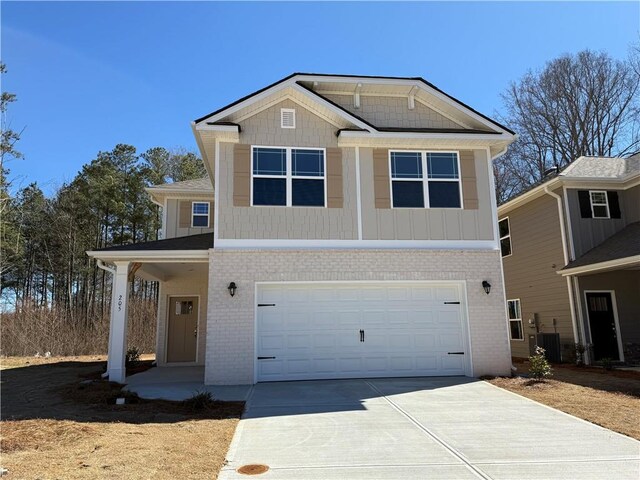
{"points": [[607, 398], [54, 428]]}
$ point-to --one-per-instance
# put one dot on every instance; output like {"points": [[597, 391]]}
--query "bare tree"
{"points": [[582, 104]]}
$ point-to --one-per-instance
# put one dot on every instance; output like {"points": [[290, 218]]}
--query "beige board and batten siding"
{"points": [[317, 223], [530, 271], [591, 232], [191, 283], [178, 218], [393, 112], [380, 222]]}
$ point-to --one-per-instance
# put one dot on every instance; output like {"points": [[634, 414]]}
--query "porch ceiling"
{"points": [[163, 271]]}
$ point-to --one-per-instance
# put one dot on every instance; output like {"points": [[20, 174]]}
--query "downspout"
{"points": [[112, 271], [565, 253]]}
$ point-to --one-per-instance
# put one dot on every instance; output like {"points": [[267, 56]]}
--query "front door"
{"points": [[604, 335], [183, 329]]}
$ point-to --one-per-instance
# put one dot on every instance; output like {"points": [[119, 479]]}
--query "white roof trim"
{"points": [[218, 128], [424, 135], [142, 256], [593, 267]]}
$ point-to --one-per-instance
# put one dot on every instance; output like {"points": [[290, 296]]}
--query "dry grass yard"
{"points": [[610, 399], [54, 428]]}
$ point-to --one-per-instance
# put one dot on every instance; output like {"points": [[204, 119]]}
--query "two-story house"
{"points": [[571, 255], [347, 228]]}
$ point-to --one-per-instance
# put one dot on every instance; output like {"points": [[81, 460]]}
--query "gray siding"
{"points": [[172, 228], [530, 272], [590, 232]]}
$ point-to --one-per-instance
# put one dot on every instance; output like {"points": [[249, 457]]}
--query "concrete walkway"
{"points": [[422, 428], [180, 383]]}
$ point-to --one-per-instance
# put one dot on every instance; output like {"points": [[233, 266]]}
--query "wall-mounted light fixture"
{"points": [[232, 288], [487, 287]]}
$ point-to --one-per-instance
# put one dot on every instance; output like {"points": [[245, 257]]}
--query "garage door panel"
{"points": [[314, 331]]}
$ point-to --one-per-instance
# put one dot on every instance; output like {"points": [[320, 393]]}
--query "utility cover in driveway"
{"points": [[359, 330]]}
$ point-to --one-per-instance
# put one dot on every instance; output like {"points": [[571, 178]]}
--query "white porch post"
{"points": [[118, 325]]}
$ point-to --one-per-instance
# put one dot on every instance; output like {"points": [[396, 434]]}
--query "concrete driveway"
{"points": [[423, 428]]}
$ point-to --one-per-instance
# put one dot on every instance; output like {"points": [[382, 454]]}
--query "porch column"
{"points": [[118, 325]]}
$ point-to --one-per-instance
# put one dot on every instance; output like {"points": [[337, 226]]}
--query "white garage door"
{"points": [[352, 330]]}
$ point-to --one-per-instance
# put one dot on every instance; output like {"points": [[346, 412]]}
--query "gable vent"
{"points": [[287, 118]]}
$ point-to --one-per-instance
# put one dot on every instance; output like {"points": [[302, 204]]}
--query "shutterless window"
{"points": [[515, 319], [288, 177], [505, 237], [411, 188], [200, 214], [599, 204]]}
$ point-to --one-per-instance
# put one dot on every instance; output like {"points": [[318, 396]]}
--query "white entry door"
{"points": [[357, 330]]}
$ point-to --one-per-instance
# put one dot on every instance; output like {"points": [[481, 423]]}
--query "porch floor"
{"points": [[181, 383]]}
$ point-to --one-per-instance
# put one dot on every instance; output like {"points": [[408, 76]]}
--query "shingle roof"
{"points": [[625, 243], [195, 184], [603, 167], [204, 241]]}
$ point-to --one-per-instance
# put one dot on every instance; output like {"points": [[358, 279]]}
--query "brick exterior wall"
{"points": [[231, 320]]}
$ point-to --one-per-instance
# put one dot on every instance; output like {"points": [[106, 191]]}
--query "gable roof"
{"points": [[203, 184], [298, 78]]}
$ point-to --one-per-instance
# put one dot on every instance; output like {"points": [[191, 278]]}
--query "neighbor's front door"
{"points": [[604, 335], [183, 329]]}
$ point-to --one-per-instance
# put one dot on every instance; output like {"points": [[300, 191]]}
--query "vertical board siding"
{"points": [[335, 187], [241, 175], [184, 220]]}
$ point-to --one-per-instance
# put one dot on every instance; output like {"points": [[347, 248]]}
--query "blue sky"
{"points": [[91, 75]]}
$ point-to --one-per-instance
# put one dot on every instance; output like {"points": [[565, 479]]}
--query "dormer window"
{"points": [[287, 118], [599, 204], [200, 214]]}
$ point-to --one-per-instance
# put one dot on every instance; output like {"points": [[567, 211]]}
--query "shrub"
{"points": [[199, 401], [539, 367], [132, 357], [580, 349], [607, 363]]}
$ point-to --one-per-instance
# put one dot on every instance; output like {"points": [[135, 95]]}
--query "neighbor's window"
{"points": [[505, 236], [288, 177], [410, 188], [515, 319], [200, 214], [599, 204]]}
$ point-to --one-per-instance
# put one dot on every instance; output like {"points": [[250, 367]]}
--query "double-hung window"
{"points": [[200, 214], [515, 319], [505, 236], [599, 204], [292, 177], [425, 179]]}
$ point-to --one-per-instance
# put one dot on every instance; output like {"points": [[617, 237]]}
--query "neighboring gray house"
{"points": [[347, 228], [571, 257]]}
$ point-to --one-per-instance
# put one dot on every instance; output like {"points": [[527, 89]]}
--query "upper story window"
{"points": [[505, 236], [200, 214], [287, 118], [515, 319], [411, 188], [286, 176], [599, 204]]}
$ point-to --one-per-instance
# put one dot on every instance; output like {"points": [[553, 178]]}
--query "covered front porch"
{"points": [[181, 267], [606, 283]]}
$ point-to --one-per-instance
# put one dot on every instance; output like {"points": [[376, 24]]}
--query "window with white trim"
{"points": [[411, 188], [505, 236], [287, 118], [291, 177], [515, 319], [599, 203], [200, 214]]}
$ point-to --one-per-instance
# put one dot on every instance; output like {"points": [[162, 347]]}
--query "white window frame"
{"points": [[515, 320], [605, 204], [425, 177], [289, 177], [287, 110], [193, 214], [506, 236]]}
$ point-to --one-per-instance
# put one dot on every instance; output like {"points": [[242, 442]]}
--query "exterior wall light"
{"points": [[487, 287], [232, 288]]}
